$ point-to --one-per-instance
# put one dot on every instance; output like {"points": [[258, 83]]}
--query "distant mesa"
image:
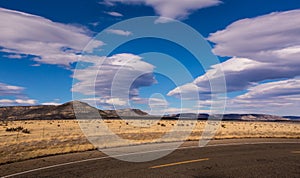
{"points": [[292, 117], [85, 111], [228, 117]]}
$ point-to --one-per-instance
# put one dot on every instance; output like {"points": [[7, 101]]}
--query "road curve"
{"points": [[221, 158]]}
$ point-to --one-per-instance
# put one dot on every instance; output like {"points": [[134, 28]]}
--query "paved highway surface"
{"points": [[221, 158]]}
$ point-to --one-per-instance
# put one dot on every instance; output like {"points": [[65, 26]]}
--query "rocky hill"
{"points": [[64, 111]]}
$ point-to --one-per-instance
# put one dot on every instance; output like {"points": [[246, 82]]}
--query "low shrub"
{"points": [[14, 129], [26, 131], [17, 129]]}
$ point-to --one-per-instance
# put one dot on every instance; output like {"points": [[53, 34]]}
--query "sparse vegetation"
{"points": [[14, 129], [18, 129], [26, 131]]}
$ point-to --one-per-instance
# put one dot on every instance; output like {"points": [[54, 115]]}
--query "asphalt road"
{"points": [[222, 158]]}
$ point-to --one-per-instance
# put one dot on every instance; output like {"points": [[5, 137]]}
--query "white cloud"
{"points": [[115, 14], [119, 78], [14, 56], [50, 42], [157, 102], [115, 101], [11, 95], [158, 106], [282, 88], [231, 68], [119, 32], [107, 102], [13, 102], [175, 9], [278, 97], [94, 24], [10, 90], [106, 3], [51, 103], [175, 110], [268, 38], [187, 91]]}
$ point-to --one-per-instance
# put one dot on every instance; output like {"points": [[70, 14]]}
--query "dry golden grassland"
{"points": [[48, 137]]}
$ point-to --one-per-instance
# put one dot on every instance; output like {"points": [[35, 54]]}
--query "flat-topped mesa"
{"points": [[229, 117]]}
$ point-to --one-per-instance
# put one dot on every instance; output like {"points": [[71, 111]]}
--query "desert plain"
{"points": [[38, 138]]}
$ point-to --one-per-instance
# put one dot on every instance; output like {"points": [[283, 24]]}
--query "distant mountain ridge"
{"points": [[85, 111], [233, 117], [125, 112]]}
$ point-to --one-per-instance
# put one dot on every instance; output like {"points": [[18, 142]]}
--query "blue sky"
{"points": [[255, 41]]}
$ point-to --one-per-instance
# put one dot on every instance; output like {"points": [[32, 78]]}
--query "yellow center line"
{"points": [[296, 152], [177, 163]]}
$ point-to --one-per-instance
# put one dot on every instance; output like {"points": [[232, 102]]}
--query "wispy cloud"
{"points": [[119, 32], [14, 56], [10, 90], [175, 9], [115, 14], [106, 3], [279, 97], [11, 95]]}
